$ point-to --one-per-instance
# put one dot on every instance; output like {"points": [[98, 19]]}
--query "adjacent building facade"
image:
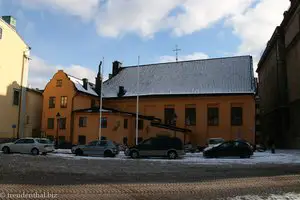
{"points": [[14, 53], [279, 83], [33, 116], [193, 100]]}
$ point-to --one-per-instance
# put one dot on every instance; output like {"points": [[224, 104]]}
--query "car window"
{"points": [[28, 141], [226, 145], [147, 142], [215, 141], [20, 141], [93, 143], [243, 144], [102, 143], [43, 141]]}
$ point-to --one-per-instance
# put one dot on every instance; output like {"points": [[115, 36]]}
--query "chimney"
{"points": [[10, 20], [85, 83], [116, 67], [122, 91], [98, 80]]}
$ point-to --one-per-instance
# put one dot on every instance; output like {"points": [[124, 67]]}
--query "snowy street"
{"points": [[192, 177], [280, 157]]}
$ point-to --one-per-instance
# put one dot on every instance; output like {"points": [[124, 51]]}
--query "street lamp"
{"points": [[57, 118]]}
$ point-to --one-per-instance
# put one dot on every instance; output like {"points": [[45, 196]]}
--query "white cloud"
{"points": [[41, 72], [255, 26], [85, 9], [201, 14], [194, 56], [117, 17]]}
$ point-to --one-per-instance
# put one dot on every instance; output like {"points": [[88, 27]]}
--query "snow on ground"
{"points": [[280, 157], [64, 151], [291, 196]]}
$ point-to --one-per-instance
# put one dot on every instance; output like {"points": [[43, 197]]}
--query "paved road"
{"points": [[126, 179], [220, 189]]}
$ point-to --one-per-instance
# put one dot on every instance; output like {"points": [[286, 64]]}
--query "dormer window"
{"points": [[0, 33]]}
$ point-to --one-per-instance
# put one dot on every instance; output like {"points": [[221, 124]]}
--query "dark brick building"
{"points": [[279, 82]]}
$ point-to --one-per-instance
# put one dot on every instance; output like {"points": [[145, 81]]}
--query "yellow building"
{"points": [[33, 116], [14, 57]]}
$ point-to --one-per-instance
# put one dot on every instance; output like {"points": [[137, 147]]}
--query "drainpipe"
{"points": [[22, 99]]}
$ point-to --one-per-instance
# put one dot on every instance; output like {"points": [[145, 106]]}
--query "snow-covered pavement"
{"points": [[280, 157]]}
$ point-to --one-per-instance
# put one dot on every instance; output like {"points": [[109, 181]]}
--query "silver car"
{"points": [[104, 148], [33, 146]]}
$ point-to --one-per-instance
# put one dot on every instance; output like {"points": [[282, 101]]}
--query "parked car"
{"points": [[162, 146], [229, 149], [214, 141], [34, 146], [104, 148], [250, 144]]}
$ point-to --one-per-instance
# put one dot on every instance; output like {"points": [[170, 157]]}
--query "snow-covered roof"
{"points": [[231, 75], [79, 86]]}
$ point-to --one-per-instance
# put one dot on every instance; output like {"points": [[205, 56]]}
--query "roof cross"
{"points": [[176, 50]]}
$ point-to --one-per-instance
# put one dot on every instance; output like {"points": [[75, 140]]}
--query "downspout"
{"points": [[22, 99], [72, 120]]}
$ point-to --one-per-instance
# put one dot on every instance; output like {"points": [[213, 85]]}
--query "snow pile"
{"points": [[63, 151], [290, 196]]}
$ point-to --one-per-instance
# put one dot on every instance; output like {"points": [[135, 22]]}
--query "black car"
{"points": [[170, 147], [229, 149]]}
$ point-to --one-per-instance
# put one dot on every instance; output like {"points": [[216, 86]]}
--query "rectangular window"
{"points": [[213, 116], [63, 102], [58, 83], [0, 33], [103, 122], [50, 123], [93, 103], [81, 139], [125, 123], [140, 125], [16, 97], [62, 123], [82, 121], [236, 116], [51, 102], [170, 116], [190, 116]]}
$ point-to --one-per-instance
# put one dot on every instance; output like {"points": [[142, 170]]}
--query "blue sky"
{"points": [[74, 35]]}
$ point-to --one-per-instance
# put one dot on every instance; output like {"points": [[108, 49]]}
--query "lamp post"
{"points": [[57, 118]]}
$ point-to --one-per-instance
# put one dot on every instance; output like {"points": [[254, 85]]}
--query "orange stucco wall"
{"points": [[114, 131], [150, 107], [201, 131], [75, 101]]}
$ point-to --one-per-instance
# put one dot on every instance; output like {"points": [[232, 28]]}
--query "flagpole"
{"points": [[137, 103], [100, 128]]}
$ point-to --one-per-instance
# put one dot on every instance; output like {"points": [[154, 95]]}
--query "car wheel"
{"points": [[245, 156], [78, 152], [35, 151], [6, 150], [172, 155], [134, 154], [108, 154]]}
